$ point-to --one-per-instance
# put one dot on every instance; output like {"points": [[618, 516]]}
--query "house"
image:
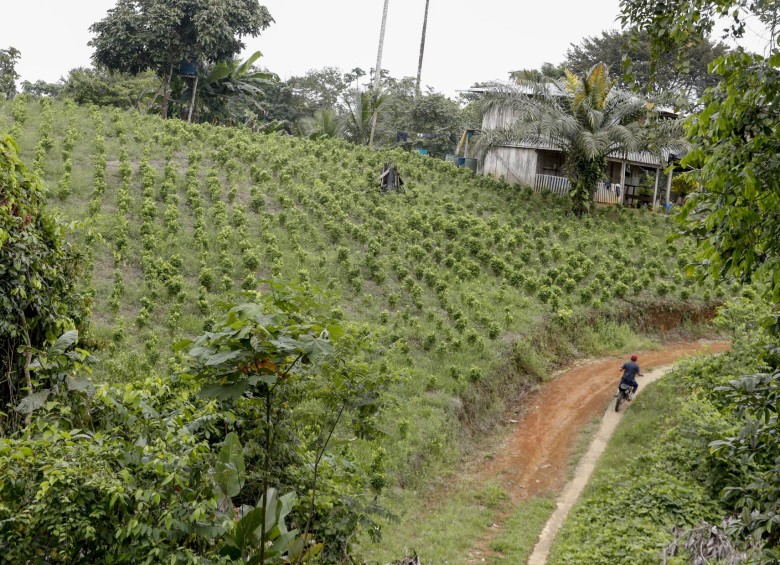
{"points": [[633, 178]]}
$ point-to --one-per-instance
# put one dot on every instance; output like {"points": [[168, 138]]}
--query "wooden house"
{"points": [[632, 178]]}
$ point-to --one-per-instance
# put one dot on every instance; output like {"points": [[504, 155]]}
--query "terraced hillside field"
{"points": [[472, 286]]}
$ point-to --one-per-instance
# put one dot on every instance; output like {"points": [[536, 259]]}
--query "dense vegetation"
{"points": [[467, 289], [697, 452]]}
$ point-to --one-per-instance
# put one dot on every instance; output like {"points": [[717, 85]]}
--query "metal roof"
{"points": [[634, 157]]}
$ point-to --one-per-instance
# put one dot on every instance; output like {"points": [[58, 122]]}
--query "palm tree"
{"points": [[360, 120], [583, 117], [323, 124]]}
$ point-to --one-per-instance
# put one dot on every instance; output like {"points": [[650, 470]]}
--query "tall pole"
{"points": [[378, 70], [422, 47], [655, 189]]}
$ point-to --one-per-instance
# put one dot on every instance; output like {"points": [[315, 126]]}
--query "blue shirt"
{"points": [[630, 371]]}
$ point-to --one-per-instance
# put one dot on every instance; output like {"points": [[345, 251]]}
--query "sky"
{"points": [[467, 41]]}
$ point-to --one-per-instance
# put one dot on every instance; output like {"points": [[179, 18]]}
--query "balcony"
{"points": [[561, 186]]}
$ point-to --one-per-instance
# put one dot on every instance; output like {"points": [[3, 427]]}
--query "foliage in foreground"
{"points": [[39, 293], [701, 447], [188, 468]]}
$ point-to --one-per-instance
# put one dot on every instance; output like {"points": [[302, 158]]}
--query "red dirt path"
{"points": [[535, 457]]}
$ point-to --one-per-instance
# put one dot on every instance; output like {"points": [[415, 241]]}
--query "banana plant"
{"points": [[231, 91], [323, 124]]}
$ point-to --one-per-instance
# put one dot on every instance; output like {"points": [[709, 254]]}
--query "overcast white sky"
{"points": [[467, 41]]}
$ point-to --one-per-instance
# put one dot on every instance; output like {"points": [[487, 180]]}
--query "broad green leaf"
{"points": [[181, 345], [220, 71], [246, 527], [270, 380], [219, 358], [33, 402], [229, 470], [316, 347], [225, 392], [271, 509], [80, 384], [243, 67], [283, 542], [64, 342], [287, 344]]}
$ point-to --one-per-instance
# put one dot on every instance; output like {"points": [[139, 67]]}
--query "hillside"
{"points": [[472, 287]]}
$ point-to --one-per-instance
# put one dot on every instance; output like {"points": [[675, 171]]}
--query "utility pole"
{"points": [[422, 47], [378, 71]]}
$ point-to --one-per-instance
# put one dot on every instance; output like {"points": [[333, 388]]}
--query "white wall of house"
{"points": [[495, 118], [515, 165]]}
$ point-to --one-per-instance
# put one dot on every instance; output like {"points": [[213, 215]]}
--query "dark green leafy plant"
{"points": [[264, 358], [39, 296]]}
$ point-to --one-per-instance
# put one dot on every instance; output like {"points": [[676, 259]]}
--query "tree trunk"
{"points": [[378, 71], [192, 101], [422, 48], [378, 68], [167, 92]]}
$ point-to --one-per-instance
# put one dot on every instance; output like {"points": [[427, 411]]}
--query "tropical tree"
{"points": [[633, 51], [139, 35], [8, 74], [41, 88], [361, 109], [323, 124], [231, 91], [422, 47], [585, 118], [322, 88], [546, 72], [735, 137], [98, 86]]}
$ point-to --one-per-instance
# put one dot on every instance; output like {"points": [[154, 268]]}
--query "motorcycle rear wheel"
{"points": [[620, 396]]}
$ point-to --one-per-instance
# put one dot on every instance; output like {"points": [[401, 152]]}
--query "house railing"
{"points": [[606, 195], [561, 186], [556, 185]]}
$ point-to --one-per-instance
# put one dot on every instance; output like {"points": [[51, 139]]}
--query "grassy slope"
{"points": [[452, 274]]}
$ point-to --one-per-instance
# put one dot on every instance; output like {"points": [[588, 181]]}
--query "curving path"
{"points": [[582, 474], [535, 458]]}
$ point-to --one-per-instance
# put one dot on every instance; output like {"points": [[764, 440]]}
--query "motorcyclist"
{"points": [[630, 372]]}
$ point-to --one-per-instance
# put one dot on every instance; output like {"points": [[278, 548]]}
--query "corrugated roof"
{"points": [[634, 157]]}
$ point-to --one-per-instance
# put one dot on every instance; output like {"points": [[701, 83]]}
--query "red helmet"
{"points": [[634, 357]]}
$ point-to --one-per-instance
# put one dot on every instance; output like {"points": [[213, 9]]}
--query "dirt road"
{"points": [[534, 458]]}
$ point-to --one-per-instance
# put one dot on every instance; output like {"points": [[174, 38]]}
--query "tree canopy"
{"points": [[140, 35], [8, 74], [614, 48]]}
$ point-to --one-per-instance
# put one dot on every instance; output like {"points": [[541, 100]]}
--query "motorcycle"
{"points": [[625, 392]]}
